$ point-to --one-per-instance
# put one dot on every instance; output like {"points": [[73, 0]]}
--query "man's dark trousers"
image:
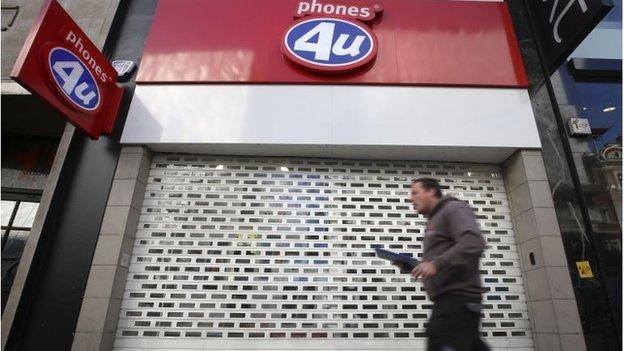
{"points": [[454, 324]]}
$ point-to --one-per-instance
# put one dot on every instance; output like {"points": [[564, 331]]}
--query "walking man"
{"points": [[452, 249]]}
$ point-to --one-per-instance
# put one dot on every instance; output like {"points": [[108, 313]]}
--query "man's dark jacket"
{"points": [[454, 243]]}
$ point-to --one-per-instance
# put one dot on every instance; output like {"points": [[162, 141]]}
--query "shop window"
{"points": [[594, 87], [601, 104], [17, 213]]}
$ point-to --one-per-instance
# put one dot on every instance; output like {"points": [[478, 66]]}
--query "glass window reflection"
{"points": [[25, 215], [614, 16], [601, 104], [598, 163], [18, 214], [15, 244], [6, 210]]}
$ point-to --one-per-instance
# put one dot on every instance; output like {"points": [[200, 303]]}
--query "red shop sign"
{"points": [[62, 66], [334, 42]]}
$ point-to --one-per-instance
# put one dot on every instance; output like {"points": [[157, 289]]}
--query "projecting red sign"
{"points": [[61, 65]]}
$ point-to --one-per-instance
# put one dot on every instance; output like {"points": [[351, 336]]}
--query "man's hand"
{"points": [[402, 266], [425, 269]]}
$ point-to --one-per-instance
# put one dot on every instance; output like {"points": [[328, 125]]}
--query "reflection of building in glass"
{"points": [[604, 170]]}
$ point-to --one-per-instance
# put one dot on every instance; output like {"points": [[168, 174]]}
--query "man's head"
{"points": [[425, 195]]}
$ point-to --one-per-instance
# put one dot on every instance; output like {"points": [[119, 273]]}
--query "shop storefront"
{"points": [[273, 177], [264, 149]]}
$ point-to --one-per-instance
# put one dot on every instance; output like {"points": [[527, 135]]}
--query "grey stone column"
{"points": [[554, 316], [101, 304]]}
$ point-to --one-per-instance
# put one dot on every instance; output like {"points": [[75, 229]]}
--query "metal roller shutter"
{"points": [[277, 253]]}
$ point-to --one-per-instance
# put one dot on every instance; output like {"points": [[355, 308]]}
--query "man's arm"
{"points": [[462, 226]]}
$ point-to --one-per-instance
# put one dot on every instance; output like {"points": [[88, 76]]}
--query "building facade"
{"points": [[239, 199], [586, 85]]}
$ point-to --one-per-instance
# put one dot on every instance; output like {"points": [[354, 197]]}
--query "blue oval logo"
{"points": [[329, 44], [74, 79]]}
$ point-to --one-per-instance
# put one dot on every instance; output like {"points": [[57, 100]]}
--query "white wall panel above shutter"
{"points": [[333, 121]]}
